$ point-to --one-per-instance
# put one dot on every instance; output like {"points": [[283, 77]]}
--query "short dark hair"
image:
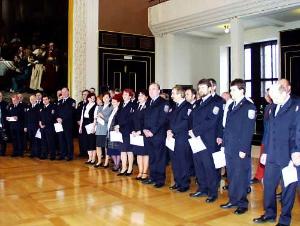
{"points": [[85, 90], [213, 81], [91, 95], [193, 91], [204, 81], [240, 83], [179, 90]]}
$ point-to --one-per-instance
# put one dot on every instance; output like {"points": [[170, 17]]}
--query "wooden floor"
{"points": [[42, 193]]}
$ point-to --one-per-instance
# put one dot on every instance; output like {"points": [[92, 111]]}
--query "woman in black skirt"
{"points": [[87, 127], [125, 125], [138, 124], [113, 148]]}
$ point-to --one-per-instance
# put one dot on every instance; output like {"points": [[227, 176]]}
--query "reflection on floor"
{"points": [[37, 192]]}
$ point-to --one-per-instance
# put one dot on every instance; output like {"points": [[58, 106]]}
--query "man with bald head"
{"points": [[282, 114]]}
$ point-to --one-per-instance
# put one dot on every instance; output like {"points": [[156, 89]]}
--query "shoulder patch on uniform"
{"points": [[73, 104], [194, 105], [52, 112], [166, 108], [189, 112], [251, 114], [131, 110], [144, 107], [216, 110], [297, 108], [40, 109]]}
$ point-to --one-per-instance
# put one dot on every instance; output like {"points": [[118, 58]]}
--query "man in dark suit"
{"points": [[3, 123], [65, 116], [47, 118], [205, 118], [155, 135], [31, 126], [237, 140], [178, 129], [15, 118], [277, 155]]}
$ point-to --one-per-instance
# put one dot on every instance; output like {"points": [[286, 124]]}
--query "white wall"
{"points": [[182, 59]]}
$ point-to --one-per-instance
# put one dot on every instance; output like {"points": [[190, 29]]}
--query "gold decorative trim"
{"points": [[70, 44], [290, 46]]}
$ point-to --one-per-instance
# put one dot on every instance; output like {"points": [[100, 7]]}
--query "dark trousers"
{"points": [[66, 142], [33, 141], [238, 176], [180, 165], [206, 173], [2, 147], [272, 178], [48, 142], [157, 159], [17, 136]]}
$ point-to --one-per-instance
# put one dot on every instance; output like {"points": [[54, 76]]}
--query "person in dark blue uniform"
{"points": [[31, 126], [205, 118], [65, 116], [3, 124], [39, 100], [80, 106], [277, 155], [47, 118], [138, 126], [238, 133], [125, 125], [155, 126], [15, 118], [178, 129], [190, 97]]}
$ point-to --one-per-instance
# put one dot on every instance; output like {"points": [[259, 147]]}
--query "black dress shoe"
{"points": [[211, 199], [121, 174], [254, 180], [228, 205], [183, 189], [281, 224], [198, 194], [225, 187], [240, 210], [106, 166], [138, 178], [174, 187], [128, 173], [98, 165], [158, 185], [148, 181], [264, 219]]}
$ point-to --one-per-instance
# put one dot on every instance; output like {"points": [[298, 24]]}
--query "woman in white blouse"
{"points": [[87, 127]]}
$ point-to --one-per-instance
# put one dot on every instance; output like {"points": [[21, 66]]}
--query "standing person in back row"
{"points": [[65, 116], [155, 127], [238, 133]]}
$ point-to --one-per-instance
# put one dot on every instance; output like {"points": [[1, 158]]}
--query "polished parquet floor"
{"points": [[37, 192]]}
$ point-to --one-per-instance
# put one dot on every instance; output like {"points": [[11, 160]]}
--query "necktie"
{"points": [[151, 102], [234, 105], [277, 110], [64, 101], [140, 107]]}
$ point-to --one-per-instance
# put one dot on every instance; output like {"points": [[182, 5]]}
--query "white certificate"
{"points": [[116, 136], [11, 119], [137, 140], [58, 127], [219, 159], [100, 121], [90, 128], [170, 143], [38, 134], [197, 144], [289, 174]]}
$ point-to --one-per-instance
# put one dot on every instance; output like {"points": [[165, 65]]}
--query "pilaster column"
{"points": [[237, 49]]}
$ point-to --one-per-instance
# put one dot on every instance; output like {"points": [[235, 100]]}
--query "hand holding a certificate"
{"points": [[191, 134], [296, 158], [242, 154], [169, 134], [148, 133]]}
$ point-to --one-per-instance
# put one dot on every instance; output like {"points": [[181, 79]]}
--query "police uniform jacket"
{"points": [[124, 118], [138, 117], [156, 118], [32, 116], [278, 146], [48, 116], [18, 111], [66, 111], [239, 128], [4, 108], [205, 118], [79, 108]]}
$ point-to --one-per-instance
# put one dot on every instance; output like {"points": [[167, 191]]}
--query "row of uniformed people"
{"points": [[40, 117]]}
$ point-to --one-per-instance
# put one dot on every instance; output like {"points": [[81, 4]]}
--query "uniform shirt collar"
{"points": [[206, 97], [237, 101]]}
